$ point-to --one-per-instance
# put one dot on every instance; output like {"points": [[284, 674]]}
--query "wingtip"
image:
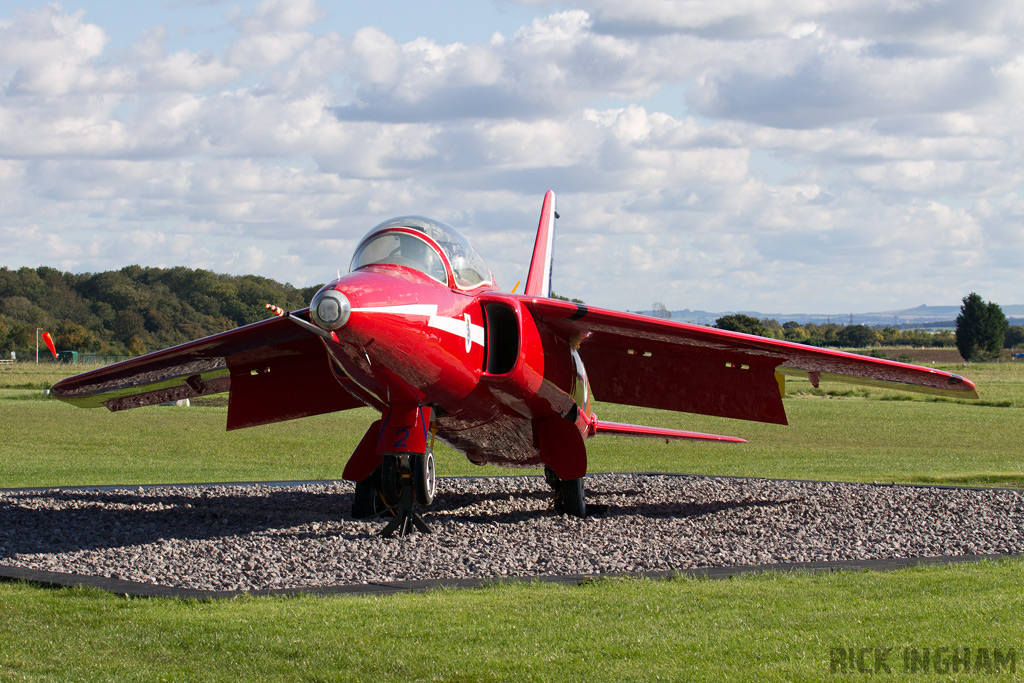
{"points": [[963, 385]]}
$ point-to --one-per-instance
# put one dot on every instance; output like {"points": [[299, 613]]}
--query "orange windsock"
{"points": [[49, 343]]}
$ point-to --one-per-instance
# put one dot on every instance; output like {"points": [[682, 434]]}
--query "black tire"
{"points": [[552, 479], [391, 480], [366, 503], [574, 501], [425, 477]]}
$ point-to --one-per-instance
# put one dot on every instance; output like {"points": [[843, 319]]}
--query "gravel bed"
{"points": [[226, 537]]}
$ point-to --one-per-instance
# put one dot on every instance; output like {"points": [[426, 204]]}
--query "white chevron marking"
{"points": [[463, 328]]}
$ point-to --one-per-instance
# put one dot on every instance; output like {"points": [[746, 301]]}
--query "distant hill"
{"points": [[132, 310]]}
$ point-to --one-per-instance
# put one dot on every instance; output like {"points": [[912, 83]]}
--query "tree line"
{"points": [[133, 310], [982, 332], [835, 334]]}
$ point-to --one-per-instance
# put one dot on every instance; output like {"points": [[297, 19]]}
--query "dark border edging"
{"points": [[145, 590]]}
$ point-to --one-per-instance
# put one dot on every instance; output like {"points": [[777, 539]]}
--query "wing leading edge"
{"points": [[644, 361]]}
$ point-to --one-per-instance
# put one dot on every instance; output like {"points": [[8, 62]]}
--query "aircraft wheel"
{"points": [[574, 500], [391, 480], [366, 502], [425, 477]]}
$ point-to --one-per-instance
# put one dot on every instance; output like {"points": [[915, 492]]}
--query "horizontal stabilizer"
{"points": [[660, 433]]}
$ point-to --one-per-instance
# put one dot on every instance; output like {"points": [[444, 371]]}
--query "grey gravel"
{"points": [[226, 537]]}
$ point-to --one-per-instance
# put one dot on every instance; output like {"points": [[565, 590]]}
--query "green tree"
{"points": [[553, 296], [136, 346], [945, 338], [980, 329], [1014, 337], [773, 328], [739, 322], [71, 335], [128, 324], [857, 336], [794, 332], [20, 308]]}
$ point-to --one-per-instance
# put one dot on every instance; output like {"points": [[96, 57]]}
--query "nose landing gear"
{"points": [[405, 479]]}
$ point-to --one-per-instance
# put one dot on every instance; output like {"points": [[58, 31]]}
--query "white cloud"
{"points": [[273, 33], [928, 22], [46, 52], [184, 71], [549, 67], [870, 150]]}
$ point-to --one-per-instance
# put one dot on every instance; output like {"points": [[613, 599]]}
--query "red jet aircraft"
{"points": [[419, 331]]}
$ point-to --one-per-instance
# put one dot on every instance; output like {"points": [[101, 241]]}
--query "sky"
{"points": [[824, 156]]}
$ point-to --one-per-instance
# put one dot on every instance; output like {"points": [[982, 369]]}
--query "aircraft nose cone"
{"points": [[330, 309]]}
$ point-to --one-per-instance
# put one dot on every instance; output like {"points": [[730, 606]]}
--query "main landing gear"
{"points": [[402, 480], [569, 496]]}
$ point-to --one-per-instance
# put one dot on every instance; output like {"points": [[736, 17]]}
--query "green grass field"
{"points": [[769, 627]]}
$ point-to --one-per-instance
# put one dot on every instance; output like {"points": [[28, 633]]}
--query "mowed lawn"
{"points": [[768, 627]]}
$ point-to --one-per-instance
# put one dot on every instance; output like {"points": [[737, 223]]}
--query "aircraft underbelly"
{"points": [[501, 438]]}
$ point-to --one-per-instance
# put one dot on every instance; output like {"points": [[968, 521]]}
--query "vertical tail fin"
{"points": [[538, 282]]}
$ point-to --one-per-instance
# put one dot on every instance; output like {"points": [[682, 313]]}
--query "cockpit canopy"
{"points": [[385, 244]]}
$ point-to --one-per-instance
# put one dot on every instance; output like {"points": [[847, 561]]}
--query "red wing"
{"points": [[274, 370], [644, 361]]}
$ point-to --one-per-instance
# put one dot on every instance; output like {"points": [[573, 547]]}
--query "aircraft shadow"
{"points": [[449, 506], [97, 520], [648, 510], [681, 509], [105, 520], [94, 520]]}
